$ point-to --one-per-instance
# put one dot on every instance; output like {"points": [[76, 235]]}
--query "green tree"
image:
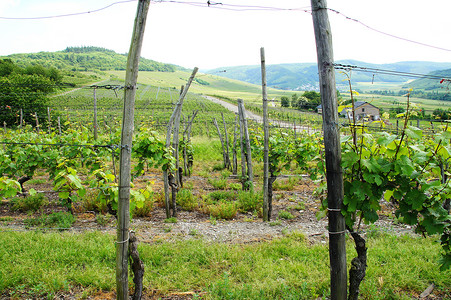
{"points": [[313, 97], [284, 101], [294, 100], [26, 89]]}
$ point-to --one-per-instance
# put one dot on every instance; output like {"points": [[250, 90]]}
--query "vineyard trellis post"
{"points": [[95, 113], [123, 222], [332, 147], [246, 155], [168, 141], [266, 210]]}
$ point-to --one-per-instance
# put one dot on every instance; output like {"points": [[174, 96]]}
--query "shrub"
{"points": [[29, 203], [223, 210], [186, 199], [250, 201]]}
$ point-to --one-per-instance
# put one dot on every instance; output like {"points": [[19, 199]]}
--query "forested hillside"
{"points": [[304, 76], [86, 59]]}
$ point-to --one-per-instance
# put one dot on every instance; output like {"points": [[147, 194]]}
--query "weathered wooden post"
{"points": [[95, 113], [332, 147], [123, 222], [266, 211]]}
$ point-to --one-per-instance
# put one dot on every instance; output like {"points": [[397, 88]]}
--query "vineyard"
{"points": [[59, 171]]}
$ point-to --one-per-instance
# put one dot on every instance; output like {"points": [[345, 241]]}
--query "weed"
{"points": [[219, 184], [234, 186], [249, 201], [275, 223], [222, 196], [186, 199], [145, 210], [6, 219], [171, 220], [213, 220], [285, 184], [56, 219], [283, 214], [225, 174], [29, 203], [102, 220], [223, 210], [36, 181], [218, 167], [167, 229], [193, 232]]}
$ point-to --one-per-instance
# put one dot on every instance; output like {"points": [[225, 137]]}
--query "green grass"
{"points": [[289, 268]]}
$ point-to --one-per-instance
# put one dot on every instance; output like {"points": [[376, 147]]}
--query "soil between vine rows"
{"points": [[244, 228]]}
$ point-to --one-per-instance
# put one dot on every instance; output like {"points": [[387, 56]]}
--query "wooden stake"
{"points": [[95, 114], [266, 216], [123, 214], [332, 148]]}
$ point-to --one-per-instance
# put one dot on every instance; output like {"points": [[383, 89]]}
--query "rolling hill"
{"points": [[304, 76], [86, 59]]}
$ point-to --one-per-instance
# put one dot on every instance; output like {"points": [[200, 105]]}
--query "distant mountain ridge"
{"points": [[86, 59], [304, 76]]}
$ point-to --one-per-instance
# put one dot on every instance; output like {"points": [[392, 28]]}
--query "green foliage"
{"points": [[283, 214], [404, 169], [285, 101], [249, 201], [9, 187], [57, 219], [223, 210], [30, 203], [222, 195], [218, 183], [87, 58], [186, 199], [27, 89]]}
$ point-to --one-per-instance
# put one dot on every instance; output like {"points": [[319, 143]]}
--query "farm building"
{"points": [[362, 110]]}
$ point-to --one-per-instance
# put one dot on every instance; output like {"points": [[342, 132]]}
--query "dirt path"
{"points": [[255, 117]]}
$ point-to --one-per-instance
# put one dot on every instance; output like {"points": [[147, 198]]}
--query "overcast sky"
{"points": [[189, 33]]}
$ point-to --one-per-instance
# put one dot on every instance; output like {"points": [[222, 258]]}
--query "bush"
{"points": [[145, 210], [29, 203], [186, 200]]}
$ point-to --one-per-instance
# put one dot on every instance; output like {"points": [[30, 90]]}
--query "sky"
{"points": [[228, 33]]}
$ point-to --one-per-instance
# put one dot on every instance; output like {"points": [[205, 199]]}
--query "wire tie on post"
{"points": [[123, 242], [337, 232], [334, 209]]}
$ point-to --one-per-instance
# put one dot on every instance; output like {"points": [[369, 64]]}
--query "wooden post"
{"points": [[123, 214], [59, 126], [95, 114], [246, 143], [227, 164], [266, 216], [224, 156], [234, 158], [49, 120], [37, 121], [21, 118], [332, 148], [168, 140]]}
